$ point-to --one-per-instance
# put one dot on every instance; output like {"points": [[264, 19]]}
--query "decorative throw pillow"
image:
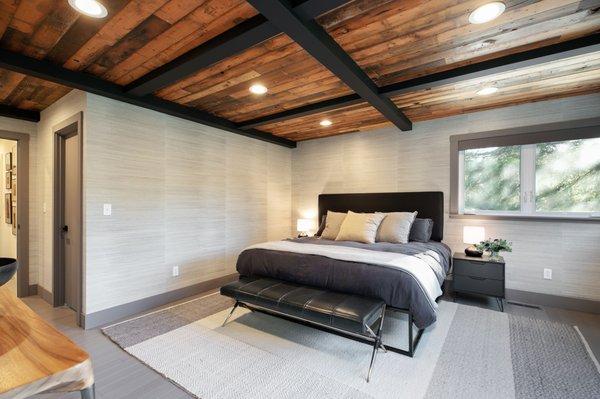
{"points": [[333, 222], [361, 227], [421, 230], [395, 227]]}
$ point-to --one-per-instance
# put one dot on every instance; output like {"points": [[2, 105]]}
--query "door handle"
{"points": [[477, 278], [65, 229]]}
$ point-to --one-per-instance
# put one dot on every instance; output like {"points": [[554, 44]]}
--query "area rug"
{"points": [[468, 353]]}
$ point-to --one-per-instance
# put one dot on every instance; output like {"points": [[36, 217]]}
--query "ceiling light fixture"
{"points": [[487, 12], [91, 8], [486, 91], [326, 122], [258, 89]]}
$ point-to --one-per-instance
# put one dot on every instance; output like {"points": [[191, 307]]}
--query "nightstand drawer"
{"points": [[479, 285], [465, 267]]}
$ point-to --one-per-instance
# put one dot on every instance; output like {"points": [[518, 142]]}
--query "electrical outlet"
{"points": [[548, 274], [175, 271], [107, 209]]}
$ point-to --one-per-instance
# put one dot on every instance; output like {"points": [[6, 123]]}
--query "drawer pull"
{"points": [[477, 278]]}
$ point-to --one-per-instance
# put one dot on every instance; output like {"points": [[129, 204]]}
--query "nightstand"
{"points": [[479, 276]]}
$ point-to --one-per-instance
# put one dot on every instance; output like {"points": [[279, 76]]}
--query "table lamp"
{"points": [[303, 226], [473, 235]]}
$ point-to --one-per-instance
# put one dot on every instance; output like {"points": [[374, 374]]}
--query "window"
{"points": [[492, 179], [567, 176], [527, 175]]}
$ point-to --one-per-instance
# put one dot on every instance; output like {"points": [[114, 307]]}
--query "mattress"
{"points": [[403, 281]]}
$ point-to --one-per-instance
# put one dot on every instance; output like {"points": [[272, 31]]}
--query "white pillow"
{"points": [[333, 221], [361, 227], [395, 227]]}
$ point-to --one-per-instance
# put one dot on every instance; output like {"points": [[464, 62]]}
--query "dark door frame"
{"points": [[22, 140], [67, 128]]}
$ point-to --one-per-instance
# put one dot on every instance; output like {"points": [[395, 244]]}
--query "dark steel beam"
{"points": [[243, 36], [317, 42], [310, 109], [47, 71], [554, 52], [16, 113]]}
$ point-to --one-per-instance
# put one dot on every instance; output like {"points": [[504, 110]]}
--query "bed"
{"points": [[405, 276]]}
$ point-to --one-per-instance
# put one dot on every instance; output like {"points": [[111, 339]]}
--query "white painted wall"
{"points": [[42, 182], [8, 242], [30, 128], [390, 160], [182, 194]]}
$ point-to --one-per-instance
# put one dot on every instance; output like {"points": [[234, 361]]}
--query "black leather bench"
{"points": [[346, 314]]}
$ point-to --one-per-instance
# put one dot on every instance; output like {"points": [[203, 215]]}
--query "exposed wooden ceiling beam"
{"points": [[243, 36], [542, 55], [317, 42], [79, 80], [17, 113], [554, 52]]}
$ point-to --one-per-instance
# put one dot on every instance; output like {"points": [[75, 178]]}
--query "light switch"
{"points": [[44, 208], [107, 211]]}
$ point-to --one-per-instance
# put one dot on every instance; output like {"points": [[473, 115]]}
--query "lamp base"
{"points": [[474, 252]]}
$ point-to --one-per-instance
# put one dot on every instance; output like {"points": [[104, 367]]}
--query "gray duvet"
{"points": [[394, 286]]}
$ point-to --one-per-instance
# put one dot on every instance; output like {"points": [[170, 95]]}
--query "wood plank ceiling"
{"points": [[392, 41]]}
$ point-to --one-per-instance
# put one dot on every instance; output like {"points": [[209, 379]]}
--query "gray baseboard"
{"points": [[111, 315], [45, 295], [555, 301], [33, 290]]}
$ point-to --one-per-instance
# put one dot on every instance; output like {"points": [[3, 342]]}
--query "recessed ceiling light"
{"points": [[258, 89], [487, 12], [91, 8], [486, 91], [325, 122]]}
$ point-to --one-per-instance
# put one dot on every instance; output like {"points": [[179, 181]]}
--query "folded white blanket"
{"points": [[418, 268]]}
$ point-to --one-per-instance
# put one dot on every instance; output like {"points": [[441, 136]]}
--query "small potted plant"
{"points": [[494, 247]]}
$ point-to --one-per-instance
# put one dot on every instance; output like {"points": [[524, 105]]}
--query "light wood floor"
{"points": [[119, 375]]}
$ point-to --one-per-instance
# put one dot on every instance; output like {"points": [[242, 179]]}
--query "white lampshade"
{"points": [[304, 225], [473, 234]]}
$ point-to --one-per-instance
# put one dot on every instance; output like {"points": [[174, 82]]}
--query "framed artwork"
{"points": [[8, 161], [14, 220], [8, 180], [14, 191], [7, 208]]}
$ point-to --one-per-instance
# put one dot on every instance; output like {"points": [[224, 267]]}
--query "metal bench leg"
{"points": [[89, 392], [377, 343], [230, 313]]}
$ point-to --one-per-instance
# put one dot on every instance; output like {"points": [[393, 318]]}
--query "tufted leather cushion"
{"points": [[332, 309]]}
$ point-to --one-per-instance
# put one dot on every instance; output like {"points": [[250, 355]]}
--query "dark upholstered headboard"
{"points": [[428, 204]]}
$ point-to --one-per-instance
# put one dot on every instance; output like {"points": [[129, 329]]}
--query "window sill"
{"points": [[525, 218]]}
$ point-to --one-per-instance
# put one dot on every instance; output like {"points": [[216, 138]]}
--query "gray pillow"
{"points": [[395, 227], [421, 230]]}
